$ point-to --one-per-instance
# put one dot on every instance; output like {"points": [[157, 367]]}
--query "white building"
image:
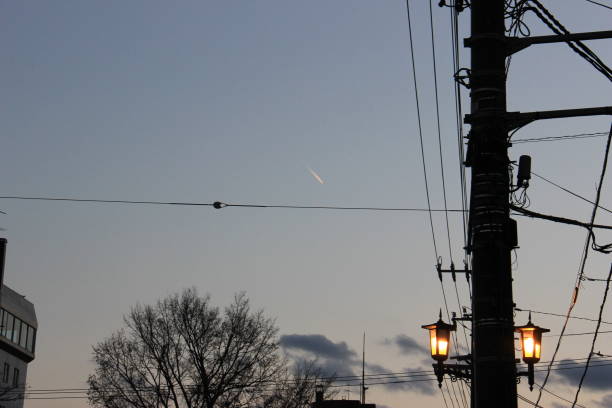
{"points": [[18, 327]]}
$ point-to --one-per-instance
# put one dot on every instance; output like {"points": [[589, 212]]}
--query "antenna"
{"points": [[363, 387]]}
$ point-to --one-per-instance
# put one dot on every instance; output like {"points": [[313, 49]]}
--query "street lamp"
{"points": [[531, 342], [439, 338], [439, 341]]}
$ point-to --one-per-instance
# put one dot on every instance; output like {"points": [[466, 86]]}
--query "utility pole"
{"points": [[493, 233]]}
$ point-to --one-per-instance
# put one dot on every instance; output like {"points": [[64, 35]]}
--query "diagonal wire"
{"points": [[416, 93], [599, 4], [569, 191], [577, 46], [601, 309], [557, 138], [418, 109], [448, 234], [435, 77], [583, 260]]}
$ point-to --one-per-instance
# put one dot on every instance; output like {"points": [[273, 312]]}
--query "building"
{"points": [[321, 402], [18, 326]]}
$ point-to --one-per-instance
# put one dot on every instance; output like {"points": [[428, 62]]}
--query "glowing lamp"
{"points": [[531, 341], [439, 338]]}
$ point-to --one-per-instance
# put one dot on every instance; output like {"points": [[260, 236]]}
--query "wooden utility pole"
{"points": [[493, 233]]}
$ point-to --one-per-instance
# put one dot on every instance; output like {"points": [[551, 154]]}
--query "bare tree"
{"points": [[183, 352], [297, 386]]}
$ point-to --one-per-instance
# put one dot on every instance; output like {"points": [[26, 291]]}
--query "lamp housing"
{"points": [[531, 341], [439, 338]]}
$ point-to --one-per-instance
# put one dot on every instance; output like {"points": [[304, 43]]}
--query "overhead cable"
{"points": [[557, 315], [599, 4], [439, 131], [554, 218], [569, 191], [591, 352], [583, 260], [558, 138], [220, 205], [578, 47]]}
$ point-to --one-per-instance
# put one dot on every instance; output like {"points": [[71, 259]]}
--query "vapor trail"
{"points": [[316, 176]]}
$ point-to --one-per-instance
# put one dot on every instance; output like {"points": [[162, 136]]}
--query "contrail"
{"points": [[316, 176]]}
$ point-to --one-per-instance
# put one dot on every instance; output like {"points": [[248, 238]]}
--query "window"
{"points": [[5, 372], [4, 323], [30, 343], [16, 331], [24, 335], [15, 377], [9, 327]]}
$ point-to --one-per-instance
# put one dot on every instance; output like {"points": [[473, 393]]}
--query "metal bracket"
{"points": [[454, 371], [453, 271], [515, 120], [528, 374], [516, 44]]}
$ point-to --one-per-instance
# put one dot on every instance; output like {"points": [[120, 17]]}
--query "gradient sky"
{"points": [[235, 101]]}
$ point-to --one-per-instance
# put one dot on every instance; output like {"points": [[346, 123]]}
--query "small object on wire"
{"points": [[218, 205], [461, 78], [524, 171]]}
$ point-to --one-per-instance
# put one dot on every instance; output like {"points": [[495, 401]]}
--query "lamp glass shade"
{"points": [[439, 339], [531, 342]]}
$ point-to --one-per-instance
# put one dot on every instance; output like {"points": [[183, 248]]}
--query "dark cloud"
{"points": [[406, 344], [334, 359], [318, 345], [597, 378], [340, 360]]}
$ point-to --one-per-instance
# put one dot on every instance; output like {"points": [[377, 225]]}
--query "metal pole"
{"points": [[493, 233]]}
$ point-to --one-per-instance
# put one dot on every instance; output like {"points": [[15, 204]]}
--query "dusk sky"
{"points": [[278, 102]]}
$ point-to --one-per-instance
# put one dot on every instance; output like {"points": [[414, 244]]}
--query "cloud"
{"points": [[597, 378], [319, 345], [334, 359], [340, 360], [606, 401], [406, 344]]}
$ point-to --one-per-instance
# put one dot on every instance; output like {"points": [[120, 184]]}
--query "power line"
{"points": [[418, 109], [528, 401], [558, 396], [585, 52], [601, 308], [394, 378], [557, 315], [577, 334], [583, 260], [599, 4], [439, 131], [558, 138], [586, 278], [220, 205], [569, 191], [562, 220], [420, 129], [435, 77]]}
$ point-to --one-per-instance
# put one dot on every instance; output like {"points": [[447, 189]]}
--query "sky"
{"points": [[244, 102]]}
